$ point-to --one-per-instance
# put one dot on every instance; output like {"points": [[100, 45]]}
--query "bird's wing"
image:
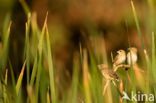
{"points": [[113, 75], [116, 58], [129, 58]]}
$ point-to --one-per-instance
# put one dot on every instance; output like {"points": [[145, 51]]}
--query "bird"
{"points": [[120, 58], [132, 56], [108, 73]]}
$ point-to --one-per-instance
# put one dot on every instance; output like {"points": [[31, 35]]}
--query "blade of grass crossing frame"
{"points": [[151, 16], [40, 45], [96, 81], [153, 56], [25, 7], [31, 95], [153, 61], [6, 76], [5, 42], [51, 69], [27, 51], [5, 38], [75, 78], [20, 78], [38, 75], [12, 79], [86, 78], [40, 54], [48, 96], [12, 74], [148, 70], [137, 24], [33, 74]]}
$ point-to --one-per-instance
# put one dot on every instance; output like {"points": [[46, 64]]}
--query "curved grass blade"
{"points": [[25, 7]]}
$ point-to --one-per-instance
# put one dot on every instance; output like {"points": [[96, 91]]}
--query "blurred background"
{"points": [[74, 21]]}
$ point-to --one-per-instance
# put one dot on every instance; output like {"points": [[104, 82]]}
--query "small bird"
{"points": [[120, 58], [109, 74], [132, 56]]}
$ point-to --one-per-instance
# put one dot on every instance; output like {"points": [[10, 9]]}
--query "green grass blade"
{"points": [[75, 79], [20, 78], [40, 53], [86, 82], [96, 84], [27, 51], [38, 76], [137, 24], [48, 96], [25, 7], [151, 17], [153, 56], [6, 76], [12, 74], [34, 70], [5, 39], [51, 69], [40, 45], [31, 95]]}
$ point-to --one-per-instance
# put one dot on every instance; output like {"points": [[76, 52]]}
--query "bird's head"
{"points": [[132, 49], [121, 52]]}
